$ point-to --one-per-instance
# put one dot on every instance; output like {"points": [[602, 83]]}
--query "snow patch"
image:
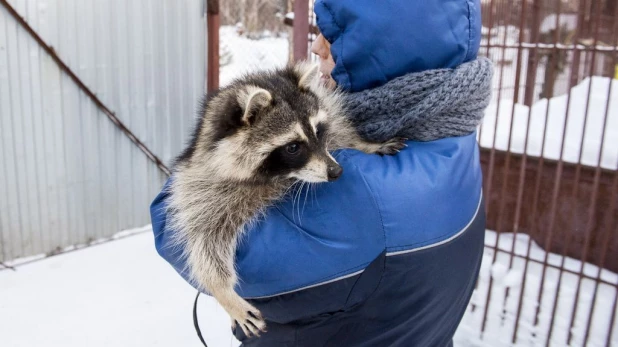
{"points": [[556, 299], [545, 125], [247, 55], [115, 294]]}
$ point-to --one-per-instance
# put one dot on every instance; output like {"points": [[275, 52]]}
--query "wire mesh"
{"points": [[549, 154]]}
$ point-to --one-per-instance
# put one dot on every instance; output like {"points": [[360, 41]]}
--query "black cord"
{"points": [[195, 322]]}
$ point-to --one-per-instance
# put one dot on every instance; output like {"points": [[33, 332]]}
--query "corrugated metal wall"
{"points": [[67, 175]]}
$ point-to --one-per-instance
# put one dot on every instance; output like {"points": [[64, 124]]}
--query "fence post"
{"points": [[213, 23], [301, 29], [533, 56]]}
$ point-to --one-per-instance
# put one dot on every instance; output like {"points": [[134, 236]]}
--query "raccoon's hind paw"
{"points": [[248, 318], [392, 146]]}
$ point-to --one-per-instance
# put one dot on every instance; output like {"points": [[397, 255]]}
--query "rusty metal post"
{"points": [[213, 24], [537, 185], [533, 57], [555, 194], [301, 29], [592, 204], [501, 208]]}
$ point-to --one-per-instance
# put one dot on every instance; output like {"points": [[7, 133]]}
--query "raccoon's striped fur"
{"points": [[254, 139]]}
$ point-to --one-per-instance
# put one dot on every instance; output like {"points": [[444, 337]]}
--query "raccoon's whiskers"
{"points": [[290, 187], [306, 193], [315, 194], [298, 196], [295, 194]]}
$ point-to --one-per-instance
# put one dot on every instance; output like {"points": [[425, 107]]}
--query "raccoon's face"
{"points": [[273, 126], [300, 152]]}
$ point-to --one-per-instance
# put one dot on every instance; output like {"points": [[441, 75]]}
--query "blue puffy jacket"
{"points": [[389, 254]]}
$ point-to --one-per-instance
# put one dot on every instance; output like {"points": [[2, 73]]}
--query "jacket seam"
{"points": [[379, 282], [446, 235], [315, 283], [386, 253], [382, 67], [373, 197]]}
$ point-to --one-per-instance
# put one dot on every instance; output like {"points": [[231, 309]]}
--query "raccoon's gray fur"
{"points": [[255, 139]]}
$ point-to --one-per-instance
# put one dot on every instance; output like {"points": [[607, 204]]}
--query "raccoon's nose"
{"points": [[334, 172]]}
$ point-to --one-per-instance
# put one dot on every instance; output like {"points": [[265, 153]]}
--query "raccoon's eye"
{"points": [[292, 148]]}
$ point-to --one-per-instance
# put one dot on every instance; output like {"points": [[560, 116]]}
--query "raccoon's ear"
{"points": [[252, 101], [309, 77]]}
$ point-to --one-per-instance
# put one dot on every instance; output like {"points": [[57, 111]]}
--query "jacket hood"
{"points": [[375, 42]]}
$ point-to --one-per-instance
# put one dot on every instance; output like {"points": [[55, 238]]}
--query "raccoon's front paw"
{"points": [[248, 317], [392, 146]]}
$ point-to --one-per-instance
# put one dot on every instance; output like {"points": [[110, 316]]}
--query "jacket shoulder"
{"points": [[315, 234], [427, 193]]}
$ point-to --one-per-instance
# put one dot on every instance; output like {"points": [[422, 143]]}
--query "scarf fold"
{"points": [[424, 106]]}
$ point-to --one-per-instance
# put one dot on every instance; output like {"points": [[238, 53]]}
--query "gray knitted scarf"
{"points": [[424, 106]]}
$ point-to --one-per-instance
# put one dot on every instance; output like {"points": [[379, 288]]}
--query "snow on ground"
{"points": [[122, 293], [556, 111], [502, 310], [117, 294], [249, 55]]}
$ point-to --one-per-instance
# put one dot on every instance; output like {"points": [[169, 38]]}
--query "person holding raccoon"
{"points": [[285, 208]]}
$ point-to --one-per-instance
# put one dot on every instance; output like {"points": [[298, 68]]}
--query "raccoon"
{"points": [[254, 140]]}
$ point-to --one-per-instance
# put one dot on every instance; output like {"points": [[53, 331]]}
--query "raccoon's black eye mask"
{"points": [[285, 159]]}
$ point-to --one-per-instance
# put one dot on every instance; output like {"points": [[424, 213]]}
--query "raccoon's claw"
{"points": [[253, 324], [250, 321], [392, 146]]}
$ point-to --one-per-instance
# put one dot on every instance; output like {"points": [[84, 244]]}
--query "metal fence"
{"points": [[68, 175], [550, 172], [549, 152]]}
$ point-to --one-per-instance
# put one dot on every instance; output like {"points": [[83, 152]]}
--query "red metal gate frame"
{"points": [[212, 30]]}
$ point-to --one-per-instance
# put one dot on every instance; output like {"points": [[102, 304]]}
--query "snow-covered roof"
{"points": [[513, 129]]}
